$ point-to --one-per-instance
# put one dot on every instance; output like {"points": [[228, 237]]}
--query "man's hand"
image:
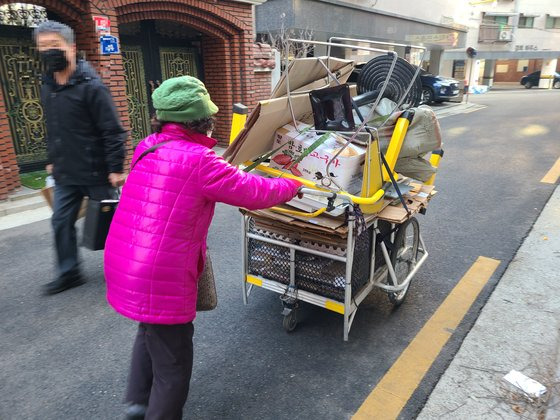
{"points": [[117, 179], [49, 168]]}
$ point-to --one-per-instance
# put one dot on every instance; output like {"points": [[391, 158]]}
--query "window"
{"points": [[526, 21], [502, 68], [522, 65], [498, 20], [552, 22], [501, 20]]}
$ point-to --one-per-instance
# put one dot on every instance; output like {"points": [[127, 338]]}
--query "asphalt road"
{"points": [[67, 356]]}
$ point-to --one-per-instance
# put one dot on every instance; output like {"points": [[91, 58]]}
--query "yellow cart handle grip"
{"points": [[349, 197], [299, 213]]}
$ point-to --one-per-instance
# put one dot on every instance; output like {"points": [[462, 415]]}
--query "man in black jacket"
{"points": [[85, 142]]}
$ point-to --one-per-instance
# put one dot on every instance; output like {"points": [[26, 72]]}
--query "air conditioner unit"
{"points": [[505, 35]]}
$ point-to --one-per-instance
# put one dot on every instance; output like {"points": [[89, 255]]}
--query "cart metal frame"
{"points": [[380, 276]]}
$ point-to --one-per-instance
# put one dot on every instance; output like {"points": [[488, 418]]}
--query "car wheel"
{"points": [[528, 85], [427, 96], [556, 84]]}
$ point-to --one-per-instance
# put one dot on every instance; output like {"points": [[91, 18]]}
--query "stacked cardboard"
{"points": [[257, 137]]}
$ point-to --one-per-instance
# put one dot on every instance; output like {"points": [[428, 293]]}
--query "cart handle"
{"points": [[299, 213], [316, 190]]}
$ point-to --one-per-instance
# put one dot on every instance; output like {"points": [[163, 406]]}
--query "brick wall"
{"points": [[263, 61], [227, 44], [9, 172], [512, 75]]}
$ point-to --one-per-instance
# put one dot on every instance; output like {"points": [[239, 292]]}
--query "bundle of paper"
{"points": [[416, 200]]}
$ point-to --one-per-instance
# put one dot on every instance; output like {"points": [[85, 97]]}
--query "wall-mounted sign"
{"points": [[102, 24], [109, 44], [449, 39], [526, 48]]}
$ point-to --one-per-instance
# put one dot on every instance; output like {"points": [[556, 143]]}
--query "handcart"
{"points": [[376, 243]]}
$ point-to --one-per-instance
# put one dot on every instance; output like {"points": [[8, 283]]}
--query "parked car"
{"points": [[437, 88], [533, 79]]}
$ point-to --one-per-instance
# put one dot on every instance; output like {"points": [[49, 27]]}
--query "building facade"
{"points": [[209, 39], [513, 38], [429, 23]]}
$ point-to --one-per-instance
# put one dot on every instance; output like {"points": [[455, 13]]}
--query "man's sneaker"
{"points": [[136, 412], [63, 283]]}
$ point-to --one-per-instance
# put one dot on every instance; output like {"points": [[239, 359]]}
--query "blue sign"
{"points": [[109, 44]]}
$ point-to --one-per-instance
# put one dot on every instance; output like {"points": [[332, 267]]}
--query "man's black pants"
{"points": [[67, 203], [160, 373]]}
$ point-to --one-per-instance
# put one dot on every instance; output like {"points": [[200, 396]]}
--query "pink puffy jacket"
{"points": [[156, 247]]}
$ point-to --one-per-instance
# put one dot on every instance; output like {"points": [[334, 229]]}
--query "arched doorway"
{"points": [[220, 37], [153, 51]]}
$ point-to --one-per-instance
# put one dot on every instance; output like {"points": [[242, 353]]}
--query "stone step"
{"points": [[23, 193], [24, 204]]}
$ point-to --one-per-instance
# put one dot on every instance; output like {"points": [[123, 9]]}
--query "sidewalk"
{"points": [[23, 207], [518, 329]]}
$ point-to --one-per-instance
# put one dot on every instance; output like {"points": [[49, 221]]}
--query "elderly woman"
{"points": [[156, 248]]}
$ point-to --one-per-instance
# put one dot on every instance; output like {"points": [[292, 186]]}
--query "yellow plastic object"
{"points": [[238, 119], [299, 213], [435, 158], [254, 280], [355, 199], [395, 145], [372, 167]]}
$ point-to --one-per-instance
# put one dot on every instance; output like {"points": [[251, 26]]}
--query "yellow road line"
{"points": [[395, 389], [552, 175]]}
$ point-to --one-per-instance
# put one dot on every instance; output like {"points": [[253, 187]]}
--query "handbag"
{"points": [[207, 298], [99, 214]]}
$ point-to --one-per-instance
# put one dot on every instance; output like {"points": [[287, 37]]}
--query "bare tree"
{"points": [[281, 40]]}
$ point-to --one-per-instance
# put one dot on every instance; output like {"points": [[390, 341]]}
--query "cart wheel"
{"points": [[404, 256], [290, 321]]}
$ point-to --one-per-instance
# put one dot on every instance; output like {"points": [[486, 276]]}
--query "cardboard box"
{"points": [[257, 137], [346, 170], [309, 73]]}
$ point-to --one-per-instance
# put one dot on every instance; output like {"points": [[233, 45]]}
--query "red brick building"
{"points": [[210, 39]]}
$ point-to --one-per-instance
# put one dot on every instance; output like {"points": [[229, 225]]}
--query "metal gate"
{"points": [[20, 76], [177, 62], [154, 51], [136, 92]]}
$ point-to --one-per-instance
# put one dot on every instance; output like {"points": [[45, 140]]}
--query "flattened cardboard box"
{"points": [[417, 199], [308, 73], [257, 137]]}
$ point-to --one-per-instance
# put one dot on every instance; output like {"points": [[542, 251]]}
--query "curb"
{"points": [[20, 204], [553, 406]]}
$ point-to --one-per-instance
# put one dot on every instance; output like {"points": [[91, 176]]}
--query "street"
{"points": [[67, 356]]}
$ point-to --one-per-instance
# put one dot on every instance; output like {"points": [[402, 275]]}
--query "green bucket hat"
{"points": [[182, 99]]}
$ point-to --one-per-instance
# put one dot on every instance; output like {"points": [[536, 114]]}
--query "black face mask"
{"points": [[55, 60]]}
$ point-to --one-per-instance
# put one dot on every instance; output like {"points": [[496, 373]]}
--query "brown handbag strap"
{"points": [[148, 151]]}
